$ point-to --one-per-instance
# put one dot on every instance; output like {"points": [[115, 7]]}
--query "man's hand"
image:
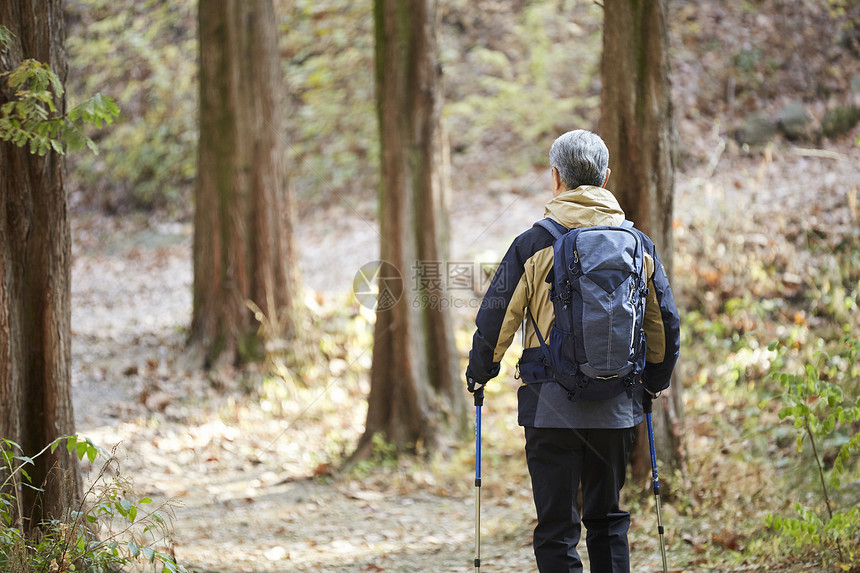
{"points": [[477, 390], [474, 386]]}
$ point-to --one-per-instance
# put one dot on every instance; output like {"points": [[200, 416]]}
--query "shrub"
{"points": [[128, 530], [142, 54], [824, 417]]}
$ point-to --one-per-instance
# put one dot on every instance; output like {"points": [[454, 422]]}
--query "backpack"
{"points": [[596, 348]]}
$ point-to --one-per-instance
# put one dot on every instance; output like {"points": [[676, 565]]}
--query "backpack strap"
{"points": [[541, 340], [572, 393], [557, 230], [627, 224], [554, 228]]}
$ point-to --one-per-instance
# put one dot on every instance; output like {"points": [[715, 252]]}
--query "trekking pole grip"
{"points": [[479, 397], [647, 406]]}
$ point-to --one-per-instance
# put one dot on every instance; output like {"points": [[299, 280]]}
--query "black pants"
{"points": [[559, 461]]}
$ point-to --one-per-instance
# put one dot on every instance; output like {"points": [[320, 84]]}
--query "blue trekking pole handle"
{"points": [[479, 401], [655, 481]]}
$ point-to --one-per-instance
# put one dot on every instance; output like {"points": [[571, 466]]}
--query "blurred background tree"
{"points": [[416, 393], [510, 79], [245, 269]]}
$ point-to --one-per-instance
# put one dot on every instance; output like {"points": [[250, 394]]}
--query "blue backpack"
{"points": [[596, 348]]}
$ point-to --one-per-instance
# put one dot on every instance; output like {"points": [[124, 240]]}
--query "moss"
{"points": [[840, 120], [251, 348]]}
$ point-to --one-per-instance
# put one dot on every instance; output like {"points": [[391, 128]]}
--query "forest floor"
{"points": [[253, 465], [250, 462]]}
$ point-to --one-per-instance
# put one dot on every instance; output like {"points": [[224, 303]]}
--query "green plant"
{"points": [[825, 418], [5, 36], [104, 533], [141, 53], [32, 118], [332, 109], [383, 455], [834, 287], [518, 91]]}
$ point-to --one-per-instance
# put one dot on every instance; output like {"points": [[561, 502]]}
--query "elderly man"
{"points": [[572, 441]]}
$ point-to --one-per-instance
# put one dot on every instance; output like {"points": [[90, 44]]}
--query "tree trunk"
{"points": [[35, 258], [243, 251], [415, 396], [637, 125]]}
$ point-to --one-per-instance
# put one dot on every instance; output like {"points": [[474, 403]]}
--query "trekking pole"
{"points": [[655, 482], [479, 401]]}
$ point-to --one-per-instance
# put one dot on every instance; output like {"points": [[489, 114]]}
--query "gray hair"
{"points": [[581, 158]]}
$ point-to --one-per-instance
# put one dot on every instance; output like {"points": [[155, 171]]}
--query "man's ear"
{"points": [[557, 185], [608, 173]]}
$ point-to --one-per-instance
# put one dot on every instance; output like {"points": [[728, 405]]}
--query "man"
{"points": [[581, 442]]}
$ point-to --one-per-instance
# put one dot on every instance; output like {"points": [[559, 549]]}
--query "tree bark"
{"points": [[35, 275], [243, 249], [415, 399], [637, 124]]}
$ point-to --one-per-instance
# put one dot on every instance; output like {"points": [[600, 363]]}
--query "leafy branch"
{"points": [[31, 119]]}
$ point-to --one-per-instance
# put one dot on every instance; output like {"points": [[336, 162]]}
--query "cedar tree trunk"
{"points": [[415, 395], [636, 123], [243, 217], [35, 258]]}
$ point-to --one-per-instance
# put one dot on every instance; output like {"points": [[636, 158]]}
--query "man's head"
{"points": [[578, 158]]}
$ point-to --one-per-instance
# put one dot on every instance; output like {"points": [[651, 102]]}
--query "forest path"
{"points": [[244, 479], [253, 486]]}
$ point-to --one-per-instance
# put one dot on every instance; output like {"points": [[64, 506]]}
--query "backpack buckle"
{"points": [[630, 384], [566, 295], [578, 388]]}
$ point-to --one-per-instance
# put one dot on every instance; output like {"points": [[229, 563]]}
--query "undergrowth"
{"points": [[823, 403], [108, 531]]}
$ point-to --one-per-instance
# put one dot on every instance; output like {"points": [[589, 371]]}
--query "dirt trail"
{"points": [[240, 475], [245, 477]]}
